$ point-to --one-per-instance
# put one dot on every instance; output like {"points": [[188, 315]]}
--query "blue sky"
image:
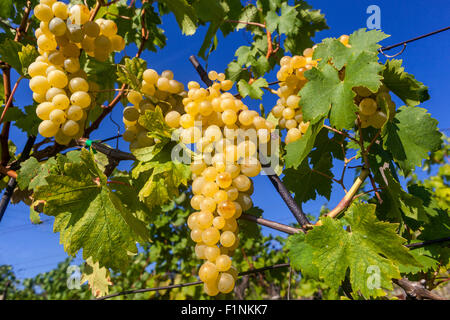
{"points": [[32, 249]]}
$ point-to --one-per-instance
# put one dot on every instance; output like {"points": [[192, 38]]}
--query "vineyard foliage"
{"points": [[131, 226]]}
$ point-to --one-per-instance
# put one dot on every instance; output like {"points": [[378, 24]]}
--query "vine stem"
{"points": [[181, 285], [12, 181], [270, 50], [347, 199], [10, 99], [416, 291], [97, 7], [4, 135], [427, 243], [256, 24], [23, 24], [365, 153], [8, 172], [343, 133], [271, 224]]}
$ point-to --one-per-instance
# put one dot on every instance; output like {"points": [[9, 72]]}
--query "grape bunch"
{"points": [[58, 83], [226, 161], [292, 80], [370, 108], [157, 90]]}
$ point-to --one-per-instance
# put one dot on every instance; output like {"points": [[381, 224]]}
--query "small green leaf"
{"points": [[13, 114], [131, 72], [424, 257], [148, 153], [30, 122], [284, 22], [34, 216], [397, 202], [184, 14], [261, 66], [253, 90], [325, 92], [362, 40], [298, 150], [154, 122], [160, 178], [27, 57], [235, 72], [5, 9], [8, 53], [97, 277]]}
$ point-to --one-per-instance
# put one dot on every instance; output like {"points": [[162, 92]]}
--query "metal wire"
{"points": [[394, 55], [118, 130], [382, 49]]}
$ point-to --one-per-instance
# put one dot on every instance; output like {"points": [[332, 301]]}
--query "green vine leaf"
{"points": [[154, 122], [370, 249], [131, 72], [329, 89], [297, 151], [301, 255], [253, 90], [184, 14], [326, 94], [160, 178], [235, 72], [5, 9], [397, 202], [424, 257], [13, 114], [28, 123], [27, 56], [411, 136], [282, 22], [32, 173], [361, 41], [313, 183], [8, 53], [403, 84]]}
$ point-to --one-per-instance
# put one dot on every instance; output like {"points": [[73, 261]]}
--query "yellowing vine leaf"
{"points": [[89, 215], [99, 278]]}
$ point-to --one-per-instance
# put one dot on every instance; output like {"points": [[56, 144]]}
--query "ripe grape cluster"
{"points": [[292, 80], [226, 160], [58, 83], [370, 111], [157, 90]]}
